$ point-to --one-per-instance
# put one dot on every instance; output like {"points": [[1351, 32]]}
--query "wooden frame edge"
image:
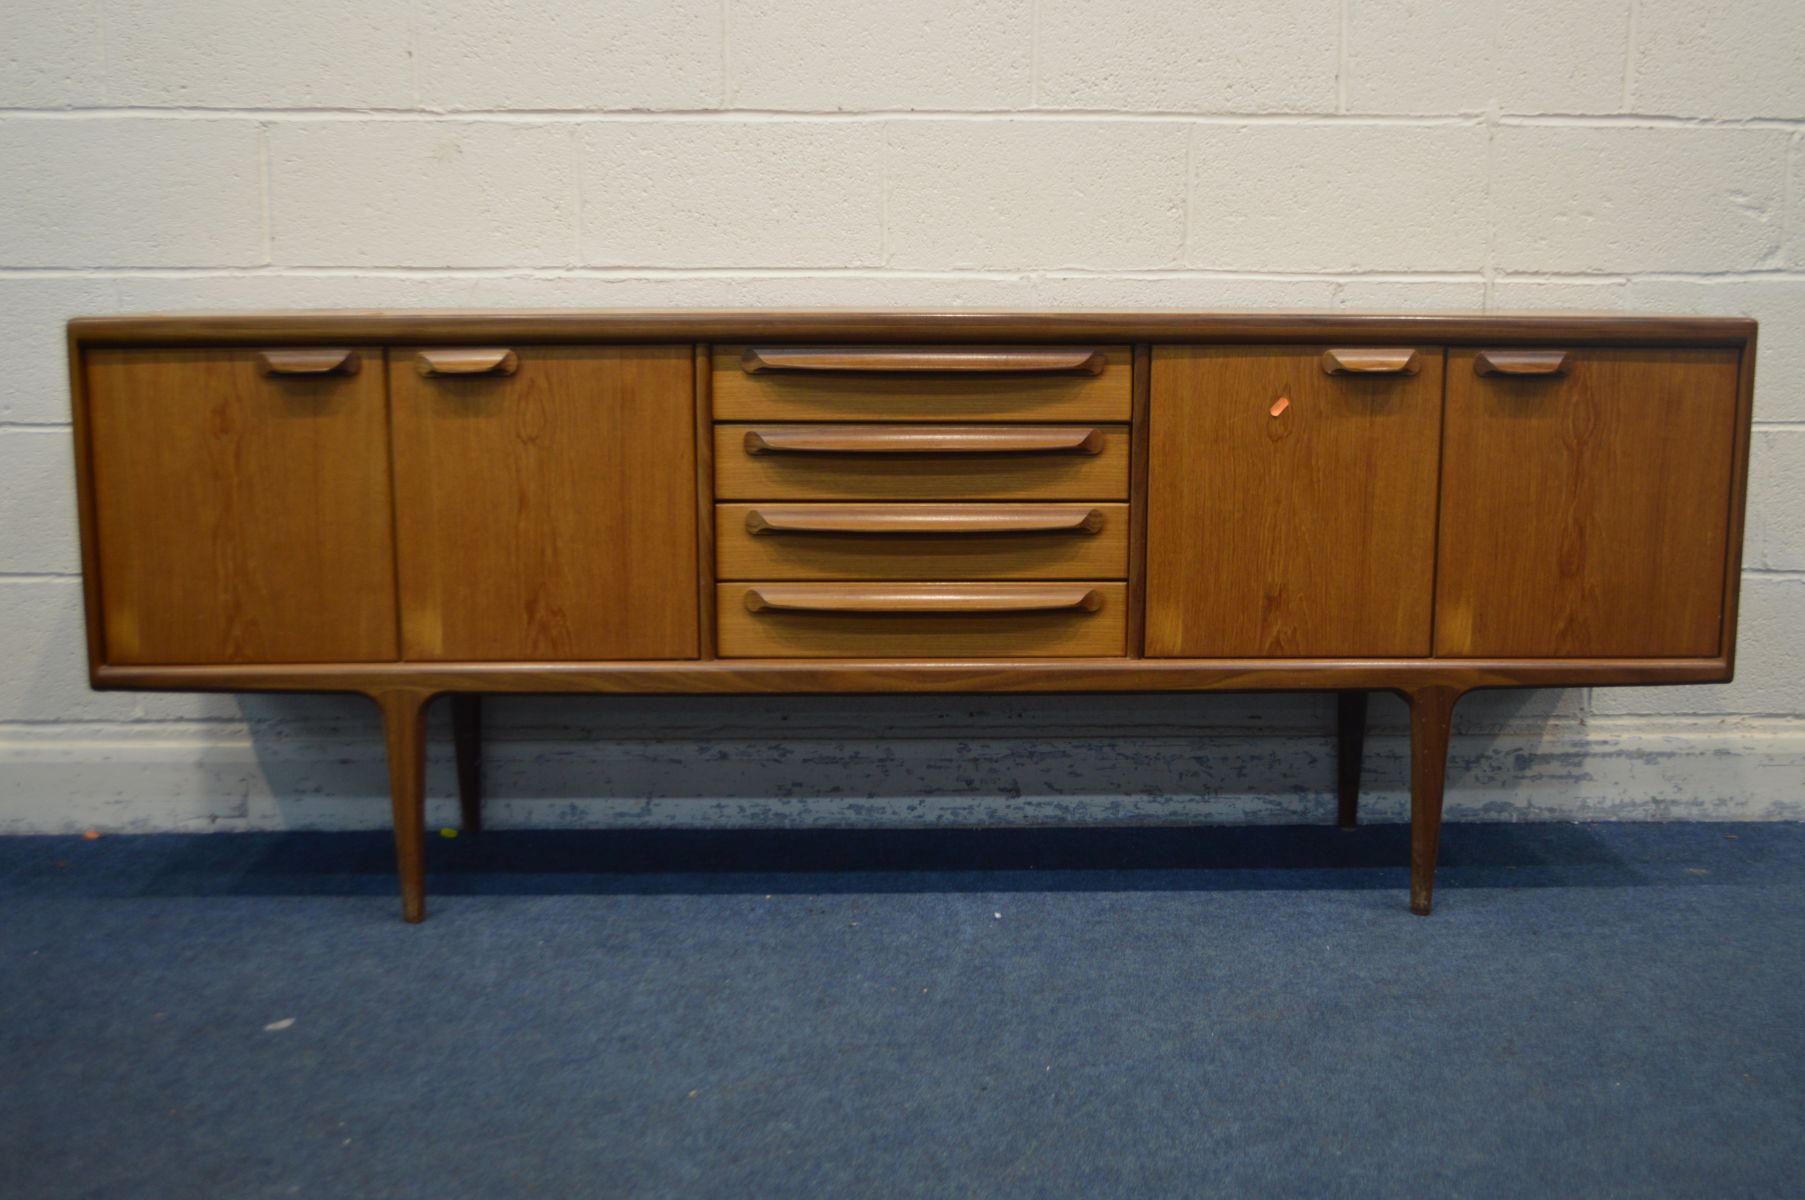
{"points": [[898, 325], [705, 541], [1739, 499], [1139, 443], [749, 676], [88, 525]]}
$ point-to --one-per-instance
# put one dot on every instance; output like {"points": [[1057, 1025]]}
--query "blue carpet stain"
{"points": [[1594, 1010]]}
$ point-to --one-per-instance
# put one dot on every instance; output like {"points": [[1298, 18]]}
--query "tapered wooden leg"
{"points": [[1431, 717], [404, 727], [467, 737], [1350, 741]]}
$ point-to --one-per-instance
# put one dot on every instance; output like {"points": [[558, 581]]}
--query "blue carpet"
{"points": [[1601, 1010]]}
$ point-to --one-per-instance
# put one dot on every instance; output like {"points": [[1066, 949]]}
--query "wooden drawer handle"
{"points": [[975, 360], [925, 519], [466, 362], [1521, 362], [309, 362], [921, 598], [923, 439], [1367, 361]]}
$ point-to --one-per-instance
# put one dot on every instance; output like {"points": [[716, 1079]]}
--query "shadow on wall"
{"points": [[781, 762]]}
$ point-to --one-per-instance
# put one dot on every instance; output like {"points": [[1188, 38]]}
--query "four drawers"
{"points": [[921, 501]]}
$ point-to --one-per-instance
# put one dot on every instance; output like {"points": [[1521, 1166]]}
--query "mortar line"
{"points": [[378, 113]]}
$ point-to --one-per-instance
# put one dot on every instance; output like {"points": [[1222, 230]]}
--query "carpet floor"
{"points": [[1594, 1010]]}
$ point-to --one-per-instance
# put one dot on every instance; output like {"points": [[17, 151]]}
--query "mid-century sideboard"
{"points": [[406, 505]]}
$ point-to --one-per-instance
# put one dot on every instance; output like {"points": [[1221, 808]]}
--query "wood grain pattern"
{"points": [[705, 536], [1585, 515], [404, 732], [877, 672], [1431, 724], [1521, 362], [1092, 623], [1137, 502], [550, 514], [1099, 392], [240, 517], [918, 598], [1371, 360], [922, 439], [925, 476], [960, 360], [1739, 494], [466, 361], [1309, 533], [776, 520], [305, 360], [526, 487], [921, 541]]}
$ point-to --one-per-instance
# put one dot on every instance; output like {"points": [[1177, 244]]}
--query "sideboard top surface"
{"points": [[973, 325]]}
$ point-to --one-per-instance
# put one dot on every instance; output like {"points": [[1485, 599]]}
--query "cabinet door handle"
{"points": [[466, 362], [964, 360], [305, 361], [1363, 360], [1521, 362], [925, 519], [923, 439], [921, 598]]}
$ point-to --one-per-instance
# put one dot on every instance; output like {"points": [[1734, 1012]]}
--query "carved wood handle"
{"points": [[466, 362], [1363, 360], [304, 361], [925, 518], [958, 359], [924, 439], [1521, 362], [949, 598]]}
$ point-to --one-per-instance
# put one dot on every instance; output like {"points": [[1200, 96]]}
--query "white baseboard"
{"points": [[201, 780]]}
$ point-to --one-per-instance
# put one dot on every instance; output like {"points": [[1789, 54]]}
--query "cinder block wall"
{"points": [[1308, 154]]}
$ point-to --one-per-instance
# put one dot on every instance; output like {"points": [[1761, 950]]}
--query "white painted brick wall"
{"points": [[1338, 197], [732, 193], [1357, 155]]}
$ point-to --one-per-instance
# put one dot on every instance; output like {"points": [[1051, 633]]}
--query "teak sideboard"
{"points": [[406, 505]]}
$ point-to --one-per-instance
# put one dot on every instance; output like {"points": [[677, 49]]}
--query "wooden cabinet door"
{"points": [[1584, 515], [1290, 511], [548, 514], [240, 516]]}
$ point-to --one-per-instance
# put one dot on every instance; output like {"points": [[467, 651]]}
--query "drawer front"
{"points": [[922, 620], [921, 462], [922, 383], [921, 541]]}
